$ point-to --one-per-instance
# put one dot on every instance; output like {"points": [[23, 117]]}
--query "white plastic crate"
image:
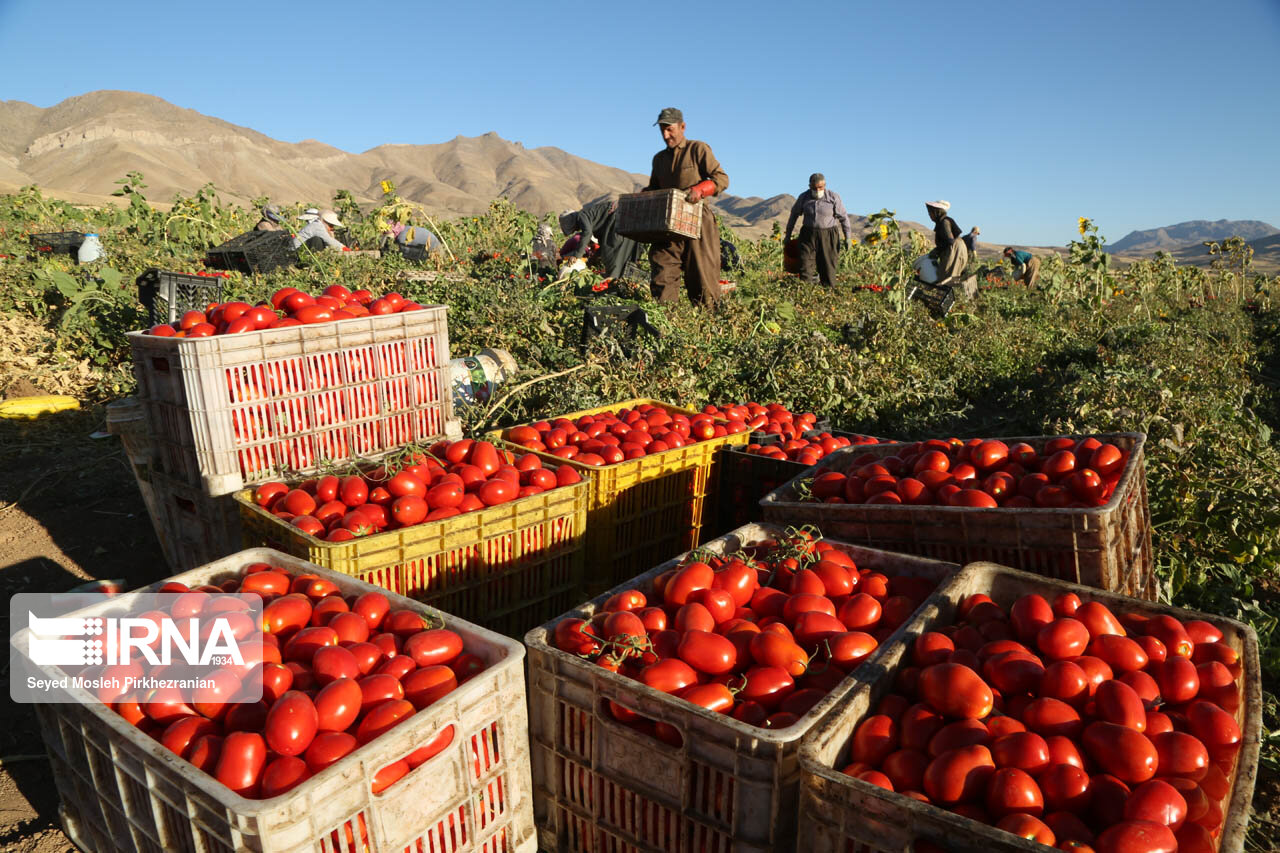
{"points": [[840, 814], [193, 528], [229, 411], [603, 786], [123, 791]]}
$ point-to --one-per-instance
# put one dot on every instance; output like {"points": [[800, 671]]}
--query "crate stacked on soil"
{"points": [[231, 410], [425, 766], [749, 473], [254, 252], [1112, 711], [658, 216], [649, 489], [193, 528], [633, 749], [57, 242], [1026, 502], [939, 299], [167, 295], [499, 544]]}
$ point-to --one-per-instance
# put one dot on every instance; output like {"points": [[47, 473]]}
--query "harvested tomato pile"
{"points": [[336, 674], [770, 418], [453, 478], [288, 307], [1063, 723], [979, 473], [612, 437], [761, 635], [808, 451]]}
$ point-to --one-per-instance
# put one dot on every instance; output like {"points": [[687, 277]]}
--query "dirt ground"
{"points": [[70, 511]]}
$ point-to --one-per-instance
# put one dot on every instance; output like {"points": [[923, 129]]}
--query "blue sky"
{"points": [[1025, 115]]}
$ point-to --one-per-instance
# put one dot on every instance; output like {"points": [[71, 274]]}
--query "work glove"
{"points": [[701, 190]]}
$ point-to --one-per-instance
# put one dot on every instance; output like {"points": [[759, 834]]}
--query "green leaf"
{"points": [[785, 310], [66, 283], [110, 277]]}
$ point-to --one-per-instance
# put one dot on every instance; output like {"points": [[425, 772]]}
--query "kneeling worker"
{"points": [[318, 233], [1029, 263], [687, 164]]}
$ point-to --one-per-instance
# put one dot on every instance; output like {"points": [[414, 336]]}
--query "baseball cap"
{"points": [[670, 115]]}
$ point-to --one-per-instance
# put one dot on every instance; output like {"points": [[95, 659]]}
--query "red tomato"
{"points": [[1215, 728], [670, 675], [1137, 836], [337, 705], [283, 774], [1027, 826], [327, 748], [707, 652], [240, 763], [1063, 638], [959, 775], [1012, 790], [433, 647], [955, 691], [291, 723], [382, 718], [373, 606], [1121, 751]]}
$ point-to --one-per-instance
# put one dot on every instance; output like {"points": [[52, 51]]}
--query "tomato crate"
{"points": [[254, 252], [1108, 547], [193, 528], [745, 478], [840, 813], [600, 785], [57, 242], [168, 295], [643, 511], [234, 410], [507, 567], [657, 216], [122, 791]]}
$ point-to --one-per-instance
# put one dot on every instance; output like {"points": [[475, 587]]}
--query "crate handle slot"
{"points": [[160, 363], [413, 760], [612, 712]]}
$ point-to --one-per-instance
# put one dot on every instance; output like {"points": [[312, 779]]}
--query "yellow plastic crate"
{"points": [[508, 567], [644, 511]]}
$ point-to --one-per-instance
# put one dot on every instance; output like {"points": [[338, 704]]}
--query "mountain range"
{"points": [[78, 148]]}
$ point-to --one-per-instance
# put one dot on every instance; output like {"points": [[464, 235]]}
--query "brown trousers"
{"points": [[698, 261], [1031, 272], [819, 247]]}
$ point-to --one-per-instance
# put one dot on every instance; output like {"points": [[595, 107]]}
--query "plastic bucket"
{"points": [[474, 377]]}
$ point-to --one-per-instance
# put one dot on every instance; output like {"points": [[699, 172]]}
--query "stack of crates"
{"points": [[230, 411]]}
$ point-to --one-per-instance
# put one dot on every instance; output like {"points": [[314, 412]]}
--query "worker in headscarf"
{"points": [[950, 254], [414, 240], [599, 220], [687, 164], [971, 241], [822, 231], [270, 220], [318, 234], [1026, 265]]}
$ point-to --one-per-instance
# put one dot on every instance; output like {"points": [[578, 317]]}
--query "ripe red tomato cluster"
{"points": [[761, 636], [808, 451], [980, 473], [337, 672], [612, 437], [771, 418], [288, 307], [1064, 723], [455, 477]]}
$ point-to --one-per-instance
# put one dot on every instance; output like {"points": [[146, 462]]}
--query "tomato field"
{"points": [[1188, 356]]}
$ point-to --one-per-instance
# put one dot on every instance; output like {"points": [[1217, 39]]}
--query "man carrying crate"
{"points": [[687, 164]]}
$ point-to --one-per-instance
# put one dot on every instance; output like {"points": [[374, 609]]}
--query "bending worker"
{"points": [[824, 227], [318, 233], [687, 164], [950, 253], [1029, 263], [599, 220], [414, 239]]}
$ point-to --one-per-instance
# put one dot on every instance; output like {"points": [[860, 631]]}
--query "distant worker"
{"points": [[1029, 263], [687, 164], [311, 214], [270, 220], [822, 231], [950, 254], [971, 241], [600, 220], [318, 233], [414, 240]]}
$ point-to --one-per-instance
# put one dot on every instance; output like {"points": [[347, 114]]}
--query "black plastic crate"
{"points": [[57, 242], [168, 295], [938, 298], [254, 252], [745, 478], [627, 323]]}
